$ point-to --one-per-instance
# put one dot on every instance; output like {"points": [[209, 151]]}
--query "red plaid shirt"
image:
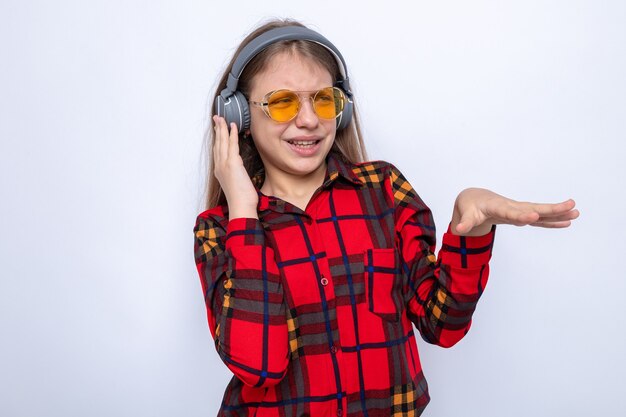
{"points": [[313, 310]]}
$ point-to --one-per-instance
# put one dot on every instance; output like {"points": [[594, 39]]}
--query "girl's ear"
{"points": [[246, 134]]}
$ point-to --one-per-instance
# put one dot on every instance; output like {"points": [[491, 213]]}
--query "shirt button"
{"points": [[339, 412], [324, 281], [333, 349]]}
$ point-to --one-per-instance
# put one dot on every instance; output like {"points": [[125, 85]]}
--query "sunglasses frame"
{"points": [[265, 104]]}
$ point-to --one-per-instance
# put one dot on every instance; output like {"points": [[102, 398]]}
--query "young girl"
{"points": [[315, 265]]}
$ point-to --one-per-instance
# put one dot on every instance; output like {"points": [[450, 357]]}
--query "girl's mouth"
{"points": [[304, 147], [304, 144]]}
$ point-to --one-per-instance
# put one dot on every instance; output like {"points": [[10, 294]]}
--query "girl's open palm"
{"points": [[477, 209]]}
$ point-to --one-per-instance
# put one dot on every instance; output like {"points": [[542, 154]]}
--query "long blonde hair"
{"points": [[348, 143]]}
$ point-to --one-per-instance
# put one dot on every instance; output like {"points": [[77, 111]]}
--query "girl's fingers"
{"points": [[222, 138], [571, 215], [512, 213], [469, 218], [465, 225], [233, 141], [216, 137], [521, 218], [552, 225], [552, 209], [523, 213], [550, 215]]}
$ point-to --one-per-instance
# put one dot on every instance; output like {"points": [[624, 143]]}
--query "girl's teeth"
{"points": [[303, 143]]}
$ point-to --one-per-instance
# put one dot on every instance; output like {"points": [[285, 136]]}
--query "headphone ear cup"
{"points": [[346, 115], [233, 107], [244, 111]]}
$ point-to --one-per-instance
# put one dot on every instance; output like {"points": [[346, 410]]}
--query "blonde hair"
{"points": [[348, 144]]}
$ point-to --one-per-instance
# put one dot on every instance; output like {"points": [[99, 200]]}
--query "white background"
{"points": [[102, 110]]}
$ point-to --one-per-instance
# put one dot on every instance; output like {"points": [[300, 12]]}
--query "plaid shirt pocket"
{"points": [[383, 283]]}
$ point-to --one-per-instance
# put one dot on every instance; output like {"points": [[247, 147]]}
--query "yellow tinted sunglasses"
{"points": [[284, 105]]}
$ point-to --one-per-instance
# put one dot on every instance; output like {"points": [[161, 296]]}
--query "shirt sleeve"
{"points": [[244, 298], [442, 291]]}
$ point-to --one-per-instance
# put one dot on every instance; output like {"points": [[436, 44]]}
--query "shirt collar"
{"points": [[336, 168]]}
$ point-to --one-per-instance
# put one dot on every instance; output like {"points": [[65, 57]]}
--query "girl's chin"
{"points": [[294, 163], [303, 166], [306, 167]]}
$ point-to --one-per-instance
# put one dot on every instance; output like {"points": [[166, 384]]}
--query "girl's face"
{"points": [[280, 145]]}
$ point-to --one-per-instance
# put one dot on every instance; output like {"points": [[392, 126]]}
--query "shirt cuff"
{"points": [[244, 231], [466, 251]]}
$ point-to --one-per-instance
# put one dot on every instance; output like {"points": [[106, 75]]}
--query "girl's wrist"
{"points": [[241, 211]]}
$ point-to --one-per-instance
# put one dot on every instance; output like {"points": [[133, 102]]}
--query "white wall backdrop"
{"points": [[102, 109]]}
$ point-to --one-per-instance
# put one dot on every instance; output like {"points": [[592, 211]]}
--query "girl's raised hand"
{"points": [[240, 194], [477, 209]]}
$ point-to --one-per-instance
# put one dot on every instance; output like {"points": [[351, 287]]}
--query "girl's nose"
{"points": [[307, 118]]}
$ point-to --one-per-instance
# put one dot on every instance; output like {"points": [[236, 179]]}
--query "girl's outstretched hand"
{"points": [[230, 172], [477, 209]]}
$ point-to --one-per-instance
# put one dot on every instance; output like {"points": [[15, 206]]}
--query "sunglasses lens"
{"points": [[329, 102], [283, 105]]}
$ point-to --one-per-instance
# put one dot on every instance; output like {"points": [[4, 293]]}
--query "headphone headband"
{"points": [[258, 44]]}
